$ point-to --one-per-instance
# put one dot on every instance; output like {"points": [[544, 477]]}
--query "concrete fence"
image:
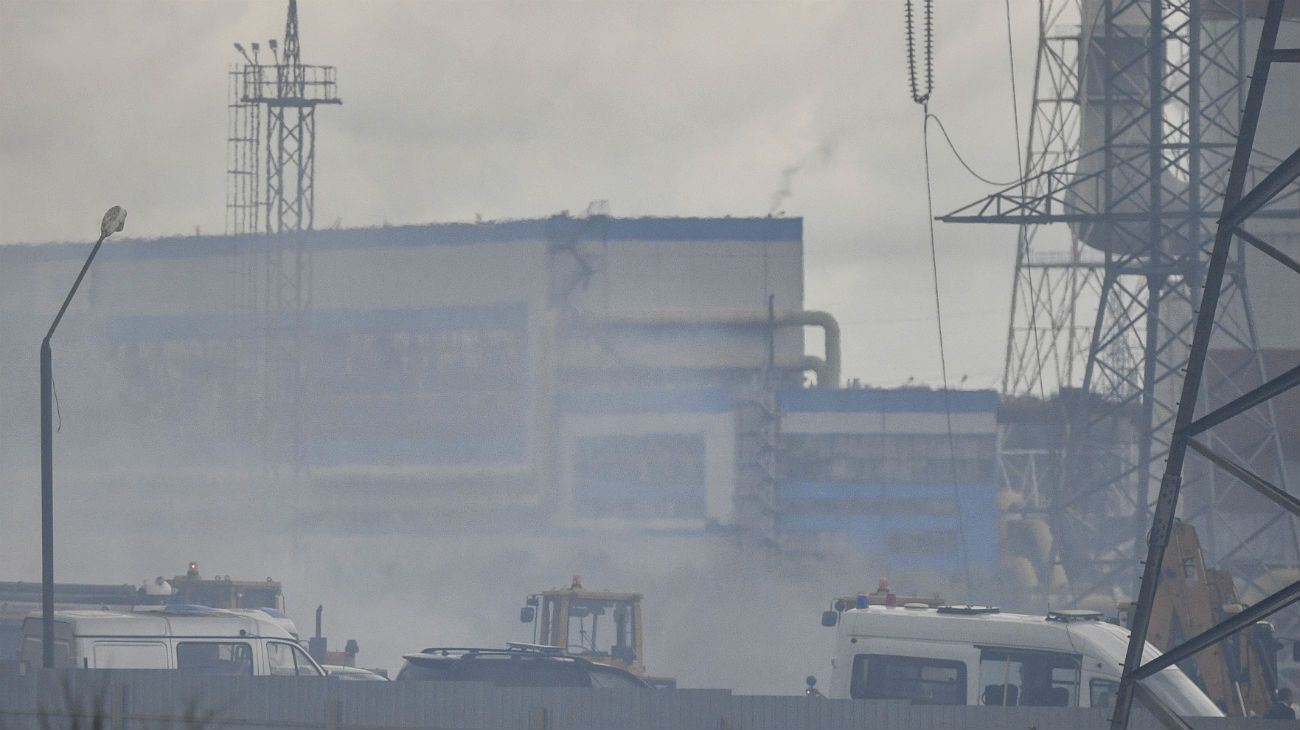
{"points": [[152, 700]]}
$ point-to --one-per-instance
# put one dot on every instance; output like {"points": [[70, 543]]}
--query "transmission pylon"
{"points": [[273, 274], [1250, 195], [1136, 111]]}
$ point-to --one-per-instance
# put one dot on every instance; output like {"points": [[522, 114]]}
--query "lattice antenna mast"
{"points": [[291, 96], [274, 278]]}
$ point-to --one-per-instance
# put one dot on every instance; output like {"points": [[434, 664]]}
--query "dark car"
{"points": [[517, 666]]}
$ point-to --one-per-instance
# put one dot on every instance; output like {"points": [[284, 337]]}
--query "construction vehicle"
{"points": [[570, 619], [1238, 673], [222, 592]]}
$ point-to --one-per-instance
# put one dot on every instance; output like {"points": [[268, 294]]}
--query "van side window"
{"points": [[214, 657], [124, 655], [923, 681], [288, 660], [1029, 678]]}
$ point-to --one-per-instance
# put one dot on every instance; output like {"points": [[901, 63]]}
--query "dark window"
{"points": [[889, 458], [1029, 678], [212, 657], [923, 681]]}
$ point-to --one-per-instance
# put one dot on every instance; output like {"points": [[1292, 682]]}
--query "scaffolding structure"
{"points": [[1135, 115], [273, 273], [757, 499], [1258, 185]]}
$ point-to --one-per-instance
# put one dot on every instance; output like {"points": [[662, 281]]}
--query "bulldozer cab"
{"points": [[222, 592], [600, 626]]}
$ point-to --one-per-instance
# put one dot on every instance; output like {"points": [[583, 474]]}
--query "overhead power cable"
{"points": [[962, 160], [921, 95]]}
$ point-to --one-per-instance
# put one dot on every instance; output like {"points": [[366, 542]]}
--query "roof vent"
{"points": [[1071, 615], [967, 610]]}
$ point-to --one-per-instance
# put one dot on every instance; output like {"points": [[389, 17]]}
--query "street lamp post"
{"points": [[113, 221]]}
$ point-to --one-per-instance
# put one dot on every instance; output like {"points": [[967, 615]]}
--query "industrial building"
{"points": [[598, 371]]}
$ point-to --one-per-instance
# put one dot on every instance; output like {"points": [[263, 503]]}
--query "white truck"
{"points": [[971, 655], [182, 637]]}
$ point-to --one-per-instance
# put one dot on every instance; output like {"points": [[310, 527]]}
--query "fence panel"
{"points": [[156, 700]]}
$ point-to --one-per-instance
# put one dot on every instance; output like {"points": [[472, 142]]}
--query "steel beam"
{"points": [[1248, 477], [1220, 631], [1264, 247], [1273, 388]]}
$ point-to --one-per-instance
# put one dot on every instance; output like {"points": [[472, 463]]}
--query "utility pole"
{"points": [[113, 222]]}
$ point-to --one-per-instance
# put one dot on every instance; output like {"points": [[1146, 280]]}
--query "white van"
{"points": [[968, 655], [186, 638]]}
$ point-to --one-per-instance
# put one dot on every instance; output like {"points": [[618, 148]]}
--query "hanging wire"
{"points": [[54, 390], [923, 99], [1015, 104], [962, 160]]}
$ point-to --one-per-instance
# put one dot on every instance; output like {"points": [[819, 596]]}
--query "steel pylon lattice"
{"points": [[1258, 185], [1136, 108], [273, 273]]}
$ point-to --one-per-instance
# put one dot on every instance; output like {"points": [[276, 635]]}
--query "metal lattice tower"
{"points": [[273, 275], [1247, 199], [1135, 115]]}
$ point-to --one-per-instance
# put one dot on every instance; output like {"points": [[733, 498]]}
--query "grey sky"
{"points": [[511, 109]]}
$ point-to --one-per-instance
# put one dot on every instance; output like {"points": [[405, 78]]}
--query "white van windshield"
{"points": [[1177, 691], [289, 660], [1170, 685]]}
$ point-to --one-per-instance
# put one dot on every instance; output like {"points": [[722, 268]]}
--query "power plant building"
{"points": [[594, 370]]}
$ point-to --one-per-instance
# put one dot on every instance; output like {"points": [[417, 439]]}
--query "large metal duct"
{"points": [[828, 370]]}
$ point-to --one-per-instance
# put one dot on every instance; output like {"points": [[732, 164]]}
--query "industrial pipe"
{"points": [[828, 370]]}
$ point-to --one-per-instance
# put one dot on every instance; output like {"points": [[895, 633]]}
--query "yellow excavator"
{"points": [[1238, 673], [600, 626]]}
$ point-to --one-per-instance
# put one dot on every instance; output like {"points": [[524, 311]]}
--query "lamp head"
{"points": [[113, 221]]}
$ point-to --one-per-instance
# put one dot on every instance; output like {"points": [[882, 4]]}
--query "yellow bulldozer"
{"points": [[600, 626]]}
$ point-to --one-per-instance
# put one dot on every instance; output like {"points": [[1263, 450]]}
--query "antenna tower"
{"points": [[273, 273]]}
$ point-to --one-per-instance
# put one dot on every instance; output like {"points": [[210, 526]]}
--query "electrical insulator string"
{"points": [[923, 99], [918, 96]]}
